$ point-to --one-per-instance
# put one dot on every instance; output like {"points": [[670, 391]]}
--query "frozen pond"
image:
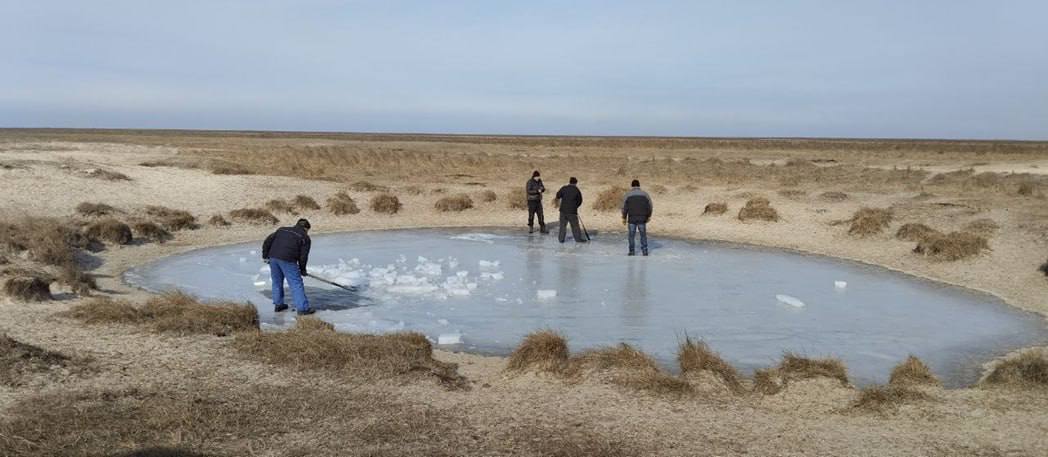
{"points": [[484, 290]]}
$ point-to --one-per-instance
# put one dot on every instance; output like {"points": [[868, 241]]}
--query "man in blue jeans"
{"points": [[287, 252], [636, 211]]}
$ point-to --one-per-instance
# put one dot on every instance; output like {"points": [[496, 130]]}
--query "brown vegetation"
{"points": [[313, 324], [460, 202], [279, 206], [626, 366], [517, 199], [46, 240], [488, 196], [414, 190], [1026, 189], [793, 367], [19, 361], [360, 356], [1044, 268], [217, 220], [912, 371], [914, 232], [95, 209], [172, 219], [715, 208], [151, 231], [253, 216], [793, 194], [759, 209], [173, 312], [833, 196], [364, 186], [610, 199], [883, 399], [983, 227], [951, 246], [1026, 370], [544, 351], [341, 204], [658, 189], [108, 175], [305, 203], [870, 221], [109, 230], [28, 288], [385, 203], [696, 356]]}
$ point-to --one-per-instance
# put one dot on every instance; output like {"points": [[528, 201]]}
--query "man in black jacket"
{"points": [[636, 210], [287, 252], [570, 198], [534, 189]]}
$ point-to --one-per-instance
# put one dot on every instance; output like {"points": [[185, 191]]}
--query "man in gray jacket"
{"points": [[534, 189], [636, 211]]}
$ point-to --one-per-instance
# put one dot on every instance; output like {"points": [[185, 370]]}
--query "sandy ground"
{"points": [[810, 418]]}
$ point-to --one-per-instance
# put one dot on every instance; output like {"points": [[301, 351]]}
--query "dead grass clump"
{"points": [[793, 194], [517, 199], [172, 219], [610, 199], [110, 230], [28, 288], [982, 227], [544, 350], [1044, 268], [488, 196], [767, 381], [341, 204], [108, 175], [46, 240], [312, 324], [105, 310], [385, 203], [914, 232], [759, 209], [230, 169], [414, 190], [172, 312], [631, 368], [1027, 370], [218, 220], [912, 371], [279, 206], [951, 246], [77, 280], [151, 231], [796, 367], [460, 202], [833, 196], [95, 209], [253, 216], [1026, 189], [695, 356], [364, 186], [715, 208], [305, 203], [19, 360], [883, 399], [870, 221], [369, 357]]}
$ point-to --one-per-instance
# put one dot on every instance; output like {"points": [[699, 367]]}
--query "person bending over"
{"points": [[570, 198], [636, 211], [287, 252]]}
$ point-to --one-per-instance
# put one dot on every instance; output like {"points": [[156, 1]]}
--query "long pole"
{"points": [[340, 286], [583, 227]]}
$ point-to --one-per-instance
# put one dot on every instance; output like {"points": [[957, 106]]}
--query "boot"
{"points": [[542, 229], [531, 229]]}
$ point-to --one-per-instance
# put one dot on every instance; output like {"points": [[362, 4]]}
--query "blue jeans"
{"points": [[643, 229], [279, 270]]}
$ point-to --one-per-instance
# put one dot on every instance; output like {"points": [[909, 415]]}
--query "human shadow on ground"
{"points": [[328, 299]]}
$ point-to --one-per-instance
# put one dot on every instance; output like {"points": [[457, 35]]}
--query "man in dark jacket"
{"points": [[570, 198], [636, 211], [534, 189], [287, 252]]}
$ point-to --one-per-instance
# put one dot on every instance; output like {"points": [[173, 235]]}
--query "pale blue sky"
{"points": [[943, 69]]}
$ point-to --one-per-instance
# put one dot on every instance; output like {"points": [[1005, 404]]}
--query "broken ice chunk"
{"points": [[546, 294], [260, 283], [442, 321], [488, 264], [788, 300], [840, 285], [449, 338]]}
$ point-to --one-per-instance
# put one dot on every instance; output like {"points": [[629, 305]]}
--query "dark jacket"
{"points": [[570, 199], [535, 189], [636, 206], [290, 244]]}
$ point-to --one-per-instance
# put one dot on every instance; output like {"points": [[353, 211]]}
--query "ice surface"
{"points": [[449, 338], [788, 300], [840, 285], [546, 294], [488, 285]]}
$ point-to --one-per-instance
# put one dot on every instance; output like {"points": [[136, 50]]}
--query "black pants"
{"points": [[575, 231], [535, 207]]}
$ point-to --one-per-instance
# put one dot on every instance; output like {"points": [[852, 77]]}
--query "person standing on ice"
{"points": [[534, 189], [636, 211], [287, 252], [570, 198]]}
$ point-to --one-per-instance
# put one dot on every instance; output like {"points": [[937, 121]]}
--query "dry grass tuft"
{"points": [[28, 288], [833, 196], [385, 203], [913, 371], [1026, 370], [759, 209], [95, 209], [631, 368], [218, 220], [796, 367], [460, 202], [883, 399], [312, 324], [488, 196], [172, 219], [870, 221], [414, 190], [1044, 268], [151, 231], [364, 186], [793, 194], [254, 216], [767, 381], [305, 203], [279, 206], [715, 208], [110, 230], [610, 199], [983, 227], [544, 351], [341, 204], [517, 199], [46, 240], [951, 246], [230, 169], [1026, 189], [19, 360], [172, 312], [914, 232], [695, 356], [367, 357]]}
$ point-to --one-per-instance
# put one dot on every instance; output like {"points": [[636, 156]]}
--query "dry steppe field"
{"points": [[90, 366]]}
